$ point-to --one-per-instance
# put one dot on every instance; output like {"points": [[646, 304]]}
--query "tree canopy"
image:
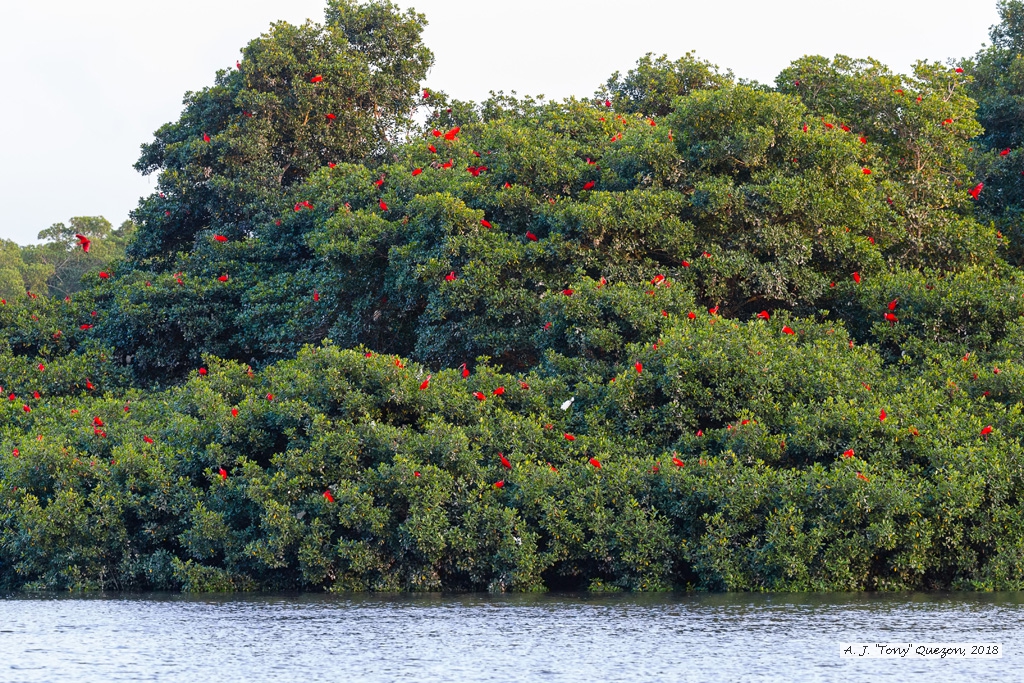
{"points": [[690, 332]]}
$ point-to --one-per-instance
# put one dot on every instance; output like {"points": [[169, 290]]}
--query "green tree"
{"points": [[650, 87], [302, 97], [916, 133], [997, 73]]}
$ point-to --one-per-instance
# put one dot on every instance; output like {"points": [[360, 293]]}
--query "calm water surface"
{"points": [[486, 638]]}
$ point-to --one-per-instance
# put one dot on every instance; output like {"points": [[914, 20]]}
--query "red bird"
{"points": [[862, 477], [882, 415], [986, 431], [567, 292], [959, 70], [891, 318], [104, 275], [451, 277], [85, 327], [500, 391], [639, 367], [84, 241], [26, 409], [465, 371], [505, 461], [220, 238], [417, 171], [764, 315], [569, 437], [234, 412], [714, 310], [691, 315], [206, 138], [316, 79], [1002, 154], [677, 462], [448, 164], [328, 496], [595, 463], [976, 190], [866, 171], [499, 484], [426, 94], [786, 329], [686, 264], [530, 236], [330, 117], [223, 473], [432, 149], [450, 135], [848, 454], [478, 395], [202, 371], [316, 295], [856, 278], [223, 278], [863, 140], [383, 206], [270, 397], [425, 383], [893, 304], [486, 223], [147, 439], [589, 185]]}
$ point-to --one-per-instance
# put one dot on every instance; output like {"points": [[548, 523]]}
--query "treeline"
{"points": [[688, 333], [56, 266]]}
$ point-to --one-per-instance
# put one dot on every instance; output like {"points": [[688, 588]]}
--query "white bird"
{"points": [[565, 406]]}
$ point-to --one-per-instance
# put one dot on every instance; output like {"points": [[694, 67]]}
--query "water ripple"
{"points": [[468, 638]]}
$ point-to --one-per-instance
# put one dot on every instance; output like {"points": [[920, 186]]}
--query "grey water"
{"points": [[550, 637]]}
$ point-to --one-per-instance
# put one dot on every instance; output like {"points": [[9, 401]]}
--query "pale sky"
{"points": [[87, 82]]}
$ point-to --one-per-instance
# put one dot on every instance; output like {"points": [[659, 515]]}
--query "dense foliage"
{"points": [[692, 333]]}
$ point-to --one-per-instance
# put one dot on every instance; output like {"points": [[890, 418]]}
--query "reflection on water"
{"points": [[735, 637]]}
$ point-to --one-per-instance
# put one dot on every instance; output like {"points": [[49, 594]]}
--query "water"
{"points": [[558, 638]]}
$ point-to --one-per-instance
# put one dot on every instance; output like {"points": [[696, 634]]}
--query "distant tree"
{"points": [[18, 276], [62, 257]]}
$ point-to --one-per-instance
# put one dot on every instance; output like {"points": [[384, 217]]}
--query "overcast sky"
{"points": [[85, 83]]}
